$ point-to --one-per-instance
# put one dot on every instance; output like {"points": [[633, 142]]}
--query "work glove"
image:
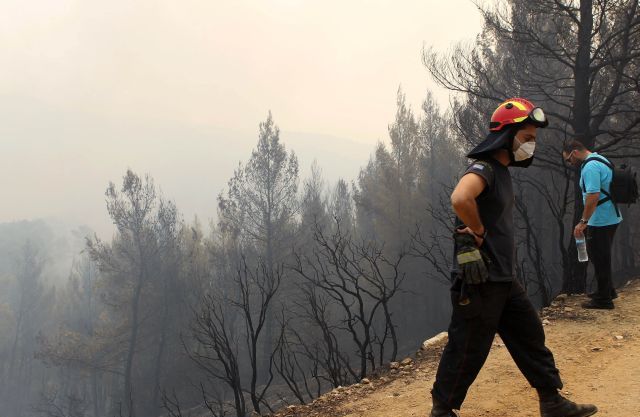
{"points": [[471, 260]]}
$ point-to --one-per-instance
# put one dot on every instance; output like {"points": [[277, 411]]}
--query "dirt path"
{"points": [[597, 352]]}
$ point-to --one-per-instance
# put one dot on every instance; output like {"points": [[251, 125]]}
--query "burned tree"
{"points": [[129, 265], [360, 281], [227, 331]]}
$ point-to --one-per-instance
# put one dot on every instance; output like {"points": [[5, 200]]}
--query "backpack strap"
{"points": [[606, 194], [597, 158]]}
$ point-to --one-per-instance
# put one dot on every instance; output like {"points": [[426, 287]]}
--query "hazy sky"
{"points": [[89, 88]]}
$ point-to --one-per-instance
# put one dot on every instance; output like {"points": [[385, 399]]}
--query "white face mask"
{"points": [[522, 151]]}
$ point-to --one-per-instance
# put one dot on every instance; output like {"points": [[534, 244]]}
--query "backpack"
{"points": [[624, 185]]}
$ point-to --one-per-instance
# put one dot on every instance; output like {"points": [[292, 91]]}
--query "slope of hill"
{"points": [[597, 352]]}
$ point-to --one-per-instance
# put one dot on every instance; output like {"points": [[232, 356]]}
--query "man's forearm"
{"points": [[467, 211], [590, 205]]}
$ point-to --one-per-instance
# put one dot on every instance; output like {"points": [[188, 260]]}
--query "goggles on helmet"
{"points": [[538, 117]]}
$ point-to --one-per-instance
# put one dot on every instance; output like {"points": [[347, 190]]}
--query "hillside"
{"points": [[597, 352]]}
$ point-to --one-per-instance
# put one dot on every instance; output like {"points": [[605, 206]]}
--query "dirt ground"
{"points": [[597, 352]]}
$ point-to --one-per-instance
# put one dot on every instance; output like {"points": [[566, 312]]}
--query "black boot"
{"points": [[440, 409], [558, 406]]}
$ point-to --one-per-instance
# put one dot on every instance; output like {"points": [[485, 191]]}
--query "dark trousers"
{"points": [[599, 242], [495, 307]]}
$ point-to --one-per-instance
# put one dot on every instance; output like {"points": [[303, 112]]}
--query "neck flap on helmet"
{"points": [[494, 141]]}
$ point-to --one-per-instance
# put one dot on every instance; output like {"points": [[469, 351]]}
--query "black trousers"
{"points": [[599, 242], [501, 307]]}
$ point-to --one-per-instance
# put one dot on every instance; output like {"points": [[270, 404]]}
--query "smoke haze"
{"points": [[177, 89]]}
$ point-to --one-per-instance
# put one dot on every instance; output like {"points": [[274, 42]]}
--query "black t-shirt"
{"points": [[495, 205]]}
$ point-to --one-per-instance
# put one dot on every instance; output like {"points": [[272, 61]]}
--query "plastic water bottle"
{"points": [[581, 244]]}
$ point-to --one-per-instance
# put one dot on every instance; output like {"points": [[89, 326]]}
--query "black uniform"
{"points": [[499, 305]]}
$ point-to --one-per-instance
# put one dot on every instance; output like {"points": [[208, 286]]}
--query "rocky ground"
{"points": [[597, 352]]}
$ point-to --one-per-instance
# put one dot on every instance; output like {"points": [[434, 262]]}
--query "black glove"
{"points": [[473, 263]]}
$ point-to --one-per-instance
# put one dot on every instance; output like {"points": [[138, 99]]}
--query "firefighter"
{"points": [[486, 297]]}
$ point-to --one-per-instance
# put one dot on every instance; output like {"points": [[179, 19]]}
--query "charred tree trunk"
{"points": [[581, 127], [127, 393], [160, 355]]}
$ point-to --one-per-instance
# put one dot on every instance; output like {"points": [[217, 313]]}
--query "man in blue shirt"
{"points": [[600, 218]]}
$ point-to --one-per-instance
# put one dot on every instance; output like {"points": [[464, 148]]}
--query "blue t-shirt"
{"points": [[596, 176]]}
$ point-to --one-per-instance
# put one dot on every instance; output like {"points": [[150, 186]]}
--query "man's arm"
{"points": [[591, 181], [463, 200], [590, 205]]}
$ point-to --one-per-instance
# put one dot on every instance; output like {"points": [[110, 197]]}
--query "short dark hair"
{"points": [[574, 145]]}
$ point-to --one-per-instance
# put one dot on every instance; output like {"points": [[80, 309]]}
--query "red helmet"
{"points": [[515, 111]]}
